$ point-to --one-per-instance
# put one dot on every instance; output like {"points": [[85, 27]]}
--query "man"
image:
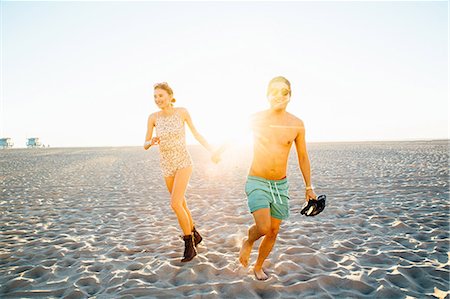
{"points": [[275, 130]]}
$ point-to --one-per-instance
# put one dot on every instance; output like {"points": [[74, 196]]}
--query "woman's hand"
{"points": [[153, 141], [215, 156], [156, 141]]}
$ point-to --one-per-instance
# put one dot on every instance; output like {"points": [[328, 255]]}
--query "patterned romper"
{"points": [[172, 146]]}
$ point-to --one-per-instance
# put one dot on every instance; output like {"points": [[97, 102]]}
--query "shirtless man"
{"points": [[275, 130]]}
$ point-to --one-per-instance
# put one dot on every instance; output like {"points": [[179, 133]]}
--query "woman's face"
{"points": [[162, 98], [278, 95]]}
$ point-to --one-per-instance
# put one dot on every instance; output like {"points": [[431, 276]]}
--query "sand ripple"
{"points": [[80, 223]]}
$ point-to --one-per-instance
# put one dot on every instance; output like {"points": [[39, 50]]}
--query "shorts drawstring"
{"points": [[278, 192], [271, 192]]}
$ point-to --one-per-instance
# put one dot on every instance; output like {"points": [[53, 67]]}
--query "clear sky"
{"points": [[82, 73]]}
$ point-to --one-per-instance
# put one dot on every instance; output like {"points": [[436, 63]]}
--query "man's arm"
{"points": [[303, 160]]}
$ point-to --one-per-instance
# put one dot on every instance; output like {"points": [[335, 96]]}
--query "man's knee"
{"points": [[273, 232], [264, 229]]}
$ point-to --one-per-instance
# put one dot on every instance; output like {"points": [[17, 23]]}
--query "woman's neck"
{"points": [[168, 110]]}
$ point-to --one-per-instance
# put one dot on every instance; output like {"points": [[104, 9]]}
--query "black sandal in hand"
{"points": [[314, 206]]}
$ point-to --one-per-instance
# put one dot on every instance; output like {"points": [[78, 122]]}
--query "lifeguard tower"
{"points": [[6, 143], [33, 142]]}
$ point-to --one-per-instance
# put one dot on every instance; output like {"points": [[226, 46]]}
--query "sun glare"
{"points": [[223, 128], [234, 134]]}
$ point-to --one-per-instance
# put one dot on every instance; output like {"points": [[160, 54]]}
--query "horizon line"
{"points": [[250, 144]]}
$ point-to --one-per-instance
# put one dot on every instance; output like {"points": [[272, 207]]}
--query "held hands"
{"points": [[215, 157]]}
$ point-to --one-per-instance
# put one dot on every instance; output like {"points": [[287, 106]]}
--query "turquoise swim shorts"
{"points": [[272, 194]]}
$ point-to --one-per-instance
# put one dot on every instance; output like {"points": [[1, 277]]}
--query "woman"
{"points": [[176, 162]]}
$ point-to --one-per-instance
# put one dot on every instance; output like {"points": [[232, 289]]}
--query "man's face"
{"points": [[278, 95]]}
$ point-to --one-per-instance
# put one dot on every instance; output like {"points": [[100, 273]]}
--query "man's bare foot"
{"points": [[260, 274], [244, 254]]}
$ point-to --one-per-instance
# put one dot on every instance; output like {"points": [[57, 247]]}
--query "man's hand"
{"points": [[309, 194], [215, 157]]}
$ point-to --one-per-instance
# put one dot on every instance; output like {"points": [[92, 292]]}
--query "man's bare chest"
{"points": [[280, 135]]}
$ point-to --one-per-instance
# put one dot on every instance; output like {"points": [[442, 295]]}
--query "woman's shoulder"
{"points": [[153, 116], [182, 111]]}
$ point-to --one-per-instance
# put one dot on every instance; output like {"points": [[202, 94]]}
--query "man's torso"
{"points": [[274, 135]]}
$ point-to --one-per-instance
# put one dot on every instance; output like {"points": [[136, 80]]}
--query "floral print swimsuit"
{"points": [[172, 144]]}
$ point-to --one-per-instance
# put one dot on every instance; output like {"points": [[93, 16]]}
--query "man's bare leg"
{"points": [[247, 245], [256, 231], [266, 247]]}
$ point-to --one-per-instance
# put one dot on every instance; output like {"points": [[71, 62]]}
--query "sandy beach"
{"points": [[96, 222]]}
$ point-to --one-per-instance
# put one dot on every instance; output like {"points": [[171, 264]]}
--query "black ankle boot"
{"points": [[197, 237], [189, 249]]}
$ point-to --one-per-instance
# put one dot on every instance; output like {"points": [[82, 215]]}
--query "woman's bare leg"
{"points": [[188, 212], [169, 184], [179, 186]]}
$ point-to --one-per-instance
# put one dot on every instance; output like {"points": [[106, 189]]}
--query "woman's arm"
{"points": [[194, 131], [148, 137]]}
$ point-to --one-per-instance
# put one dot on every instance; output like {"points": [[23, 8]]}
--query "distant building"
{"points": [[33, 142], [6, 143]]}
